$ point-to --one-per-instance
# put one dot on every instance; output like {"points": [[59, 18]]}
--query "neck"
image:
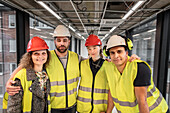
{"points": [[38, 68], [61, 54], [96, 58]]}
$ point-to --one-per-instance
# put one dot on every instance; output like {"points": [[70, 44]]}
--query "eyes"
{"points": [[118, 51], [93, 48], [38, 54], [64, 40]]}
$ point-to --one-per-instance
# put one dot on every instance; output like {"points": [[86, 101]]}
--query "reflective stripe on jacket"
{"points": [[93, 91], [122, 90], [63, 81]]}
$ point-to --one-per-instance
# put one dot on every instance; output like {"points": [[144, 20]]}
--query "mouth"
{"points": [[117, 60], [62, 47], [40, 60]]}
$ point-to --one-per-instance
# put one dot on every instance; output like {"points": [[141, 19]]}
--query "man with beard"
{"points": [[63, 71]]}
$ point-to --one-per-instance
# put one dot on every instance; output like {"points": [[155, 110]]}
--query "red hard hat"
{"points": [[93, 40], [36, 43]]}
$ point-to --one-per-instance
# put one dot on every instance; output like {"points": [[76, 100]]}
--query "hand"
{"points": [[12, 90], [134, 57]]}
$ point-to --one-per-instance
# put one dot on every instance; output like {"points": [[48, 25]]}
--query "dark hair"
{"points": [[101, 53], [64, 36], [126, 49]]}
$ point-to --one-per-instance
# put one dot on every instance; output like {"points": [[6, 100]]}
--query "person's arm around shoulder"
{"points": [[141, 96], [134, 57], [12, 90]]}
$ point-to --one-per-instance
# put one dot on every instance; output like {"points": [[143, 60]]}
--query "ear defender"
{"points": [[104, 51], [129, 44]]}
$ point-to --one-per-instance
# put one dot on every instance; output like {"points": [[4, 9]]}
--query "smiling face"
{"points": [[94, 52], [39, 57], [62, 44], [118, 56]]}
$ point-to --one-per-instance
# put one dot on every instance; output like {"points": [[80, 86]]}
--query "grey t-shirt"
{"points": [[64, 60]]}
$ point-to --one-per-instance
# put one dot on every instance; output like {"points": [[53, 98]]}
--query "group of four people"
{"points": [[49, 82]]}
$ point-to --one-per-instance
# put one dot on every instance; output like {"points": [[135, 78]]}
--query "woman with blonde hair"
{"points": [[33, 80]]}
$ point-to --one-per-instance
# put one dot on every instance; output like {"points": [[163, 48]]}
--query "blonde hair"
{"points": [[26, 60]]}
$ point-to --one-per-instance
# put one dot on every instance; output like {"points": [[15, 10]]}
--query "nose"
{"points": [[116, 55], [92, 51], [61, 43]]}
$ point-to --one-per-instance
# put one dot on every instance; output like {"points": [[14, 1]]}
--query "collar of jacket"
{"points": [[31, 75]]}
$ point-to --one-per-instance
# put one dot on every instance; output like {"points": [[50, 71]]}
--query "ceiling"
{"points": [[101, 17]]}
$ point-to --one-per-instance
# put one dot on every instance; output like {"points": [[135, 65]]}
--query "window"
{"points": [[7, 46], [144, 42], [12, 44], [13, 66], [12, 23], [50, 44], [168, 82]]}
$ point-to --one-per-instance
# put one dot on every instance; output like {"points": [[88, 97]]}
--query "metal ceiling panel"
{"points": [[92, 16]]}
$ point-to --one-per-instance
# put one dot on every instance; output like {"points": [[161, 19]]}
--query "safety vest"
{"points": [[93, 91], [122, 90], [5, 102], [27, 96], [63, 81]]}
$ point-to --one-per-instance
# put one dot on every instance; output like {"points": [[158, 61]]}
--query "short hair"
{"points": [[64, 36]]}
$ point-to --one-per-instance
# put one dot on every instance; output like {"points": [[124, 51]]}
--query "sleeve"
{"points": [[81, 58], [143, 77], [15, 101]]}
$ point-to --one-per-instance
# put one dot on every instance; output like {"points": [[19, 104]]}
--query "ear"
{"points": [[126, 53]]}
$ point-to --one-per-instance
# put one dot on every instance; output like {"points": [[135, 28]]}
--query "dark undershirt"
{"points": [[143, 77], [95, 66]]}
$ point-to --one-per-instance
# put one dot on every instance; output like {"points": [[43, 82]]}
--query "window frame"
{"points": [[10, 21], [12, 49]]}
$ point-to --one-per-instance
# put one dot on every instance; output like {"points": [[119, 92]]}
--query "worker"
{"points": [[33, 80], [93, 89], [132, 89], [63, 72]]}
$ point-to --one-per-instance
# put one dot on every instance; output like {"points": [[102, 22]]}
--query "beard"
{"points": [[62, 50]]}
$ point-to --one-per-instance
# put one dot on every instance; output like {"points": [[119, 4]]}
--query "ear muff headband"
{"points": [[129, 44]]}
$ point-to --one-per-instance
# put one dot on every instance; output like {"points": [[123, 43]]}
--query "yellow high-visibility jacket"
{"points": [[63, 81], [26, 78], [5, 102], [93, 91], [122, 90]]}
